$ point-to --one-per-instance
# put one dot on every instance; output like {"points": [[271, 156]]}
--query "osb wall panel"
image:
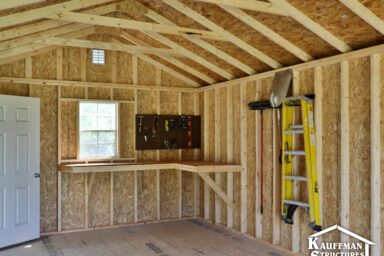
{"points": [[14, 89], [73, 92], [169, 80], [360, 154], [44, 65], [124, 75], [13, 69], [48, 156], [169, 194], [99, 93], [146, 196], [126, 126], [123, 94], [146, 73], [72, 201], [99, 201], [123, 197], [331, 149], [251, 160], [71, 64], [69, 130]]}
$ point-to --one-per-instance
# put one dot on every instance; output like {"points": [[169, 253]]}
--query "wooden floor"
{"points": [[160, 239]]}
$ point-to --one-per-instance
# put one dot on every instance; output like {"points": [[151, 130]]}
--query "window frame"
{"points": [[117, 131]]}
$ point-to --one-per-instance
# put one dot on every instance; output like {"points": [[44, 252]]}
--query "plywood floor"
{"points": [[179, 238]]}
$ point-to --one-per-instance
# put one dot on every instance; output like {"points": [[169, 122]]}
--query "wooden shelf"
{"points": [[197, 167]]}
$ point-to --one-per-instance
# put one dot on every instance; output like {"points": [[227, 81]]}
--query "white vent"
{"points": [[98, 56]]}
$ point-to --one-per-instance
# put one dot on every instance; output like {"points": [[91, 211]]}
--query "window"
{"points": [[98, 56], [98, 132]]}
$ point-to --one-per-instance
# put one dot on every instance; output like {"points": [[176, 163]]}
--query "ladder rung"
{"points": [[302, 204], [294, 131], [298, 178], [294, 152]]}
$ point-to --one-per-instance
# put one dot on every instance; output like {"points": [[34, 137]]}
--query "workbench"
{"points": [[201, 168]]}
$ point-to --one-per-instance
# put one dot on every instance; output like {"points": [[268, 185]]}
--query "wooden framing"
{"points": [[230, 152], [269, 33], [172, 60], [18, 3], [312, 25], [107, 46], [217, 154], [225, 34], [364, 13], [131, 24], [258, 182], [252, 5], [276, 191], [243, 157], [43, 12], [375, 153], [344, 151], [206, 152], [204, 44]]}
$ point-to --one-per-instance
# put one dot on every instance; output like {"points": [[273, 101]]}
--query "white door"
{"points": [[19, 169]]}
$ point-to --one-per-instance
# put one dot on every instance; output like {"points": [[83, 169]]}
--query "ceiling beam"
{"points": [[224, 33], [17, 3], [106, 46], [313, 26], [205, 45], [131, 24], [268, 33], [43, 12], [252, 5], [366, 14], [35, 27], [171, 60]]}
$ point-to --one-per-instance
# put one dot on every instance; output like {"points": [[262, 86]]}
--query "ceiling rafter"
{"points": [[366, 14], [107, 46], [17, 3], [132, 24], [267, 32], [36, 48], [313, 26], [42, 26], [205, 45], [167, 69], [44, 12], [224, 33], [169, 59], [252, 5]]}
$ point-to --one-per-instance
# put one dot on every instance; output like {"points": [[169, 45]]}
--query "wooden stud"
{"points": [[206, 152], [17, 3], [276, 218], [179, 173], [196, 156], [135, 195], [86, 198], [28, 71], [83, 64], [111, 200], [217, 154], [344, 154], [158, 202], [258, 204], [113, 55], [135, 70], [243, 156], [296, 188], [230, 152], [375, 153]]}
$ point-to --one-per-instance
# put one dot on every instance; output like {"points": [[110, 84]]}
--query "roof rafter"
{"points": [[312, 25], [131, 24], [17, 3], [267, 32], [36, 48], [24, 30], [224, 33], [168, 70], [171, 60], [252, 5], [205, 45], [364, 13], [106, 46], [43, 12]]}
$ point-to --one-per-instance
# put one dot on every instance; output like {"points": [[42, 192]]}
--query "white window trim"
{"points": [[117, 141]]}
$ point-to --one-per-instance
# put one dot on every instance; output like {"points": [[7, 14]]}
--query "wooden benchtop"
{"points": [[190, 166]]}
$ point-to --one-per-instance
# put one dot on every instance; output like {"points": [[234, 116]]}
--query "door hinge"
{"points": [[37, 175]]}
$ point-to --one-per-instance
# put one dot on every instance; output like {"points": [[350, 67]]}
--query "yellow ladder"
{"points": [[289, 175]]}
